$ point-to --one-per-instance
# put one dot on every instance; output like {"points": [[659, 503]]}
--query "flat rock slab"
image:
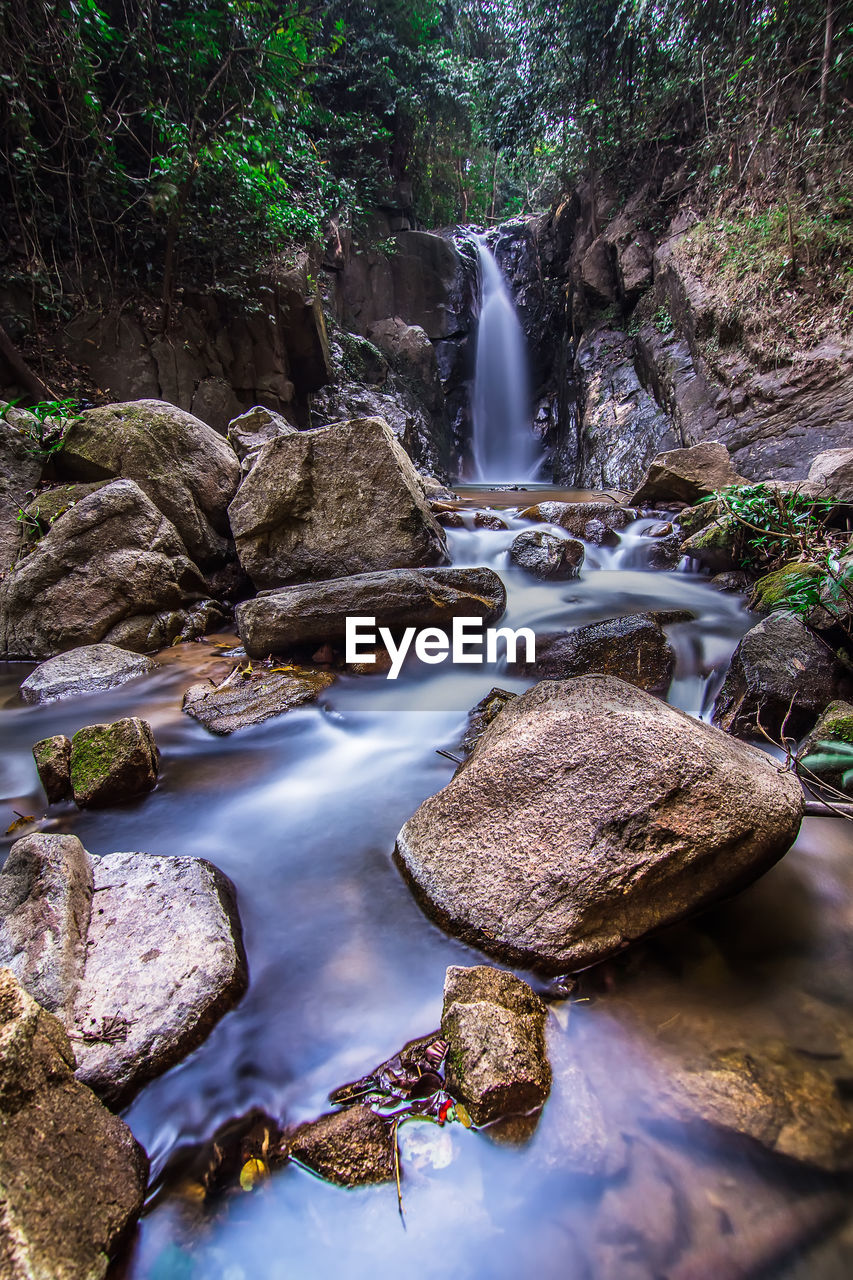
{"points": [[90, 669], [314, 613], [164, 961], [352, 1147], [253, 699], [589, 815], [494, 1025], [72, 1175]]}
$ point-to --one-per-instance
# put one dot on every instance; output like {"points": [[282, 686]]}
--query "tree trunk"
{"points": [[824, 71], [24, 376]]}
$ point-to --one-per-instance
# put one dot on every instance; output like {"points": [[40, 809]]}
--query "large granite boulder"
{"points": [[139, 956], [110, 558], [339, 500], [90, 669], [185, 467], [683, 476], [72, 1175], [634, 648], [316, 612], [781, 674], [589, 815], [20, 472]]}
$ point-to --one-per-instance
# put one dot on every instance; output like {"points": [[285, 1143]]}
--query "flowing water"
{"points": [[302, 813], [504, 446]]}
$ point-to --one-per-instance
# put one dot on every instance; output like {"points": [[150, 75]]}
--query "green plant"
{"points": [[775, 525], [833, 756], [663, 321], [50, 422]]}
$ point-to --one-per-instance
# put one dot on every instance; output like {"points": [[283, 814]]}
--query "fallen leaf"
{"points": [[22, 820], [253, 1173]]}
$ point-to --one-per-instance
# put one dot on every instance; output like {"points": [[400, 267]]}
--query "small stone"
{"points": [[352, 1147], [53, 761], [253, 699], [451, 519], [488, 520], [494, 1025], [547, 555], [111, 763], [91, 668]]}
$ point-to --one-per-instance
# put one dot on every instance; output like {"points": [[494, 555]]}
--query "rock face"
{"points": [[547, 555], [20, 471], [588, 815], [831, 475], [53, 761], [315, 613], [72, 1176], [494, 1025], [254, 699], [779, 670], [683, 476], [187, 470], [89, 669], [45, 903], [111, 763], [340, 500], [633, 648], [352, 1147], [164, 962], [111, 558]]}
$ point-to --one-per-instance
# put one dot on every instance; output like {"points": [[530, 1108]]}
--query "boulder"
{"points": [[45, 903], [589, 815], [112, 763], [577, 517], [164, 962], [831, 475], [494, 1025], [547, 555], [316, 612], [20, 472], [150, 632], [683, 476], [248, 434], [47, 505], [352, 1147], [53, 761], [835, 724], [252, 698], [72, 1175], [771, 591], [489, 520], [779, 672], [481, 716], [110, 558], [717, 545], [185, 467], [634, 648], [340, 500], [90, 669]]}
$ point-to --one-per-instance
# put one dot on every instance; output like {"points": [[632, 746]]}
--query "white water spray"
{"points": [[505, 448]]}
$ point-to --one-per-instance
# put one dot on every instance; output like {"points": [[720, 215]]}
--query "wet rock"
{"points": [[770, 592], [316, 612], [112, 763], [90, 669], [667, 814], [494, 1025], [482, 715], [340, 500], [633, 648], [665, 552], [450, 519], [45, 901], [110, 558], [716, 546], [376, 662], [352, 1147], [72, 1176], [767, 1093], [691, 519], [547, 555], [251, 700], [164, 962], [835, 724], [831, 475], [488, 520], [576, 517], [20, 471], [732, 580], [248, 434], [683, 476], [53, 761], [580, 1138], [150, 632], [185, 467], [780, 671]]}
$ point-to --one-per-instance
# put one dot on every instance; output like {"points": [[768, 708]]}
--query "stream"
{"points": [[301, 812]]}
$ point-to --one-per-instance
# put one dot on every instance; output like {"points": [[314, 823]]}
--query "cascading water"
{"points": [[504, 446]]}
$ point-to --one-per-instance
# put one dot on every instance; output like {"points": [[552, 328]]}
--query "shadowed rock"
{"points": [[547, 555], [352, 1147], [633, 648], [53, 761]]}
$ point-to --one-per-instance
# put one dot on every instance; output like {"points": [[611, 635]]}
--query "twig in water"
{"points": [[448, 754], [397, 1173]]}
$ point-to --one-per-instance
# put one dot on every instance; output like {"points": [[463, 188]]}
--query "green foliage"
{"points": [[663, 321], [46, 423], [834, 756]]}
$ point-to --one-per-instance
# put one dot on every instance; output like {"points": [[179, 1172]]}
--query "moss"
{"points": [[92, 756], [771, 591], [692, 519]]}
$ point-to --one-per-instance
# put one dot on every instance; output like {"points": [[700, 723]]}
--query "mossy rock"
{"points": [[770, 592], [53, 761], [48, 505], [835, 725], [692, 519], [112, 763], [715, 547]]}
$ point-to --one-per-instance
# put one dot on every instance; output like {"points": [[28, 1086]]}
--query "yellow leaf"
{"points": [[22, 820], [462, 1116], [254, 1171]]}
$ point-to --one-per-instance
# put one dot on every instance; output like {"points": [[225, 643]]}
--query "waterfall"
{"points": [[504, 446]]}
